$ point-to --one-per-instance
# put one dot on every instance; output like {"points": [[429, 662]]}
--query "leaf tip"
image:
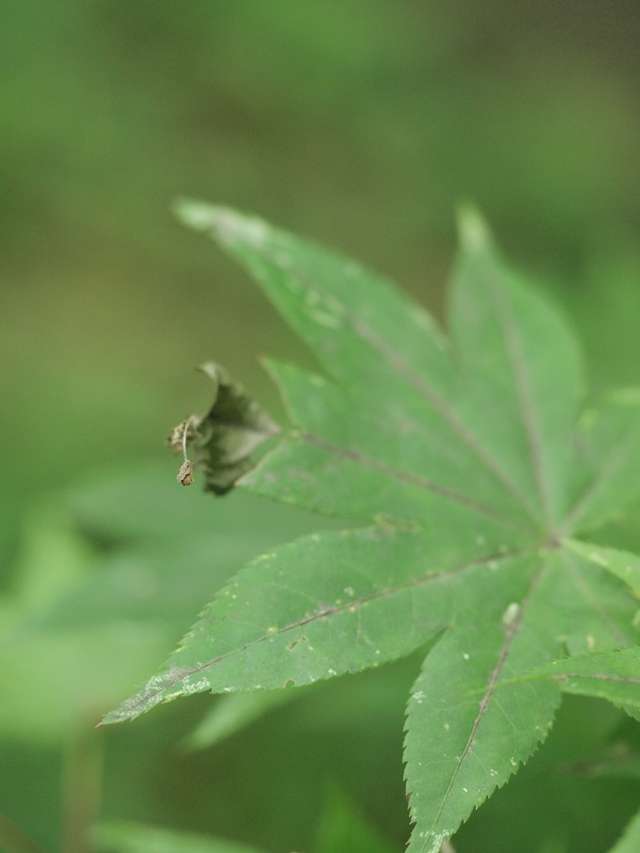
{"points": [[226, 225], [194, 214], [473, 232]]}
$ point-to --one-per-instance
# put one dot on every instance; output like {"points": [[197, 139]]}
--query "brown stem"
{"points": [[14, 840]]}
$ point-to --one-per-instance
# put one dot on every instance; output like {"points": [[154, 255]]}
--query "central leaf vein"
{"points": [[411, 479], [418, 383], [525, 398], [324, 612], [492, 684]]}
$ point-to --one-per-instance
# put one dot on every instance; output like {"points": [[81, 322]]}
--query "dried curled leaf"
{"points": [[224, 438], [176, 440], [185, 474]]}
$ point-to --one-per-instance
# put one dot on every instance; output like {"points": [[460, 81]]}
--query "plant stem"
{"points": [[82, 789], [14, 840]]}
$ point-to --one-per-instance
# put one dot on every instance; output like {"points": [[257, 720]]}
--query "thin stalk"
{"points": [[82, 789], [14, 840]]}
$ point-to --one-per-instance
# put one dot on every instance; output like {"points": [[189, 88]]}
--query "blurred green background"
{"points": [[361, 123]]}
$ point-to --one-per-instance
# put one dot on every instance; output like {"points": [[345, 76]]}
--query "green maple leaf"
{"points": [[470, 467]]}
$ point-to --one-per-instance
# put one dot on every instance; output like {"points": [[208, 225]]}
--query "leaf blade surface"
{"points": [[471, 460], [325, 605]]}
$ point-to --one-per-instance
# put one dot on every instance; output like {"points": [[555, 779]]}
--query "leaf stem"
{"points": [[184, 439]]}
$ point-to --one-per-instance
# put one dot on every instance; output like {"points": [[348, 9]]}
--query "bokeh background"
{"points": [[361, 123]]}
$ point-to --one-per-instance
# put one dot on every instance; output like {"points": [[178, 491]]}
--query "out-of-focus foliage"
{"points": [[137, 838], [358, 122], [106, 582]]}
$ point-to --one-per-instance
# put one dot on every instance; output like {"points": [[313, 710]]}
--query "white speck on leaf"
{"points": [[198, 687], [325, 319]]}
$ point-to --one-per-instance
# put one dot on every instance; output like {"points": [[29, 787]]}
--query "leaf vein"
{"points": [[523, 391], [493, 682], [417, 382], [592, 599], [603, 473], [426, 390], [411, 479], [187, 672]]}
